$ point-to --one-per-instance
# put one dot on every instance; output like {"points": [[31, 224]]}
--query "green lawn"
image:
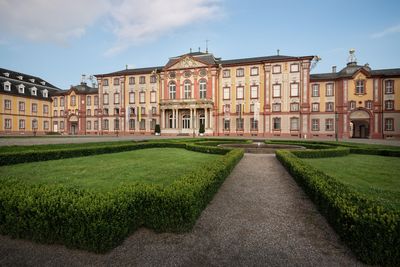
{"points": [[107, 171], [376, 176]]}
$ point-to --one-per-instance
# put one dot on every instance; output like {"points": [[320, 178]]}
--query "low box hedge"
{"points": [[99, 221], [370, 230], [322, 153]]}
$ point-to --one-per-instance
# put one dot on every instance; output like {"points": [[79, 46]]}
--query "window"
{"points": [[389, 104], [227, 109], [276, 90], [294, 106], [153, 97], [45, 93], [34, 124], [132, 124], [352, 104], [239, 124], [389, 124], [7, 104], [88, 100], [389, 87], [142, 79], [226, 73], [142, 97], [254, 71], [116, 111], [96, 100], [153, 79], [55, 102], [142, 124], [187, 90], [253, 124], [315, 107], [132, 111], [276, 69], [61, 125], [131, 80], [105, 82], [7, 86], [153, 123], [21, 106], [294, 89], [45, 125], [33, 91], [96, 125], [55, 113], [96, 112], [105, 99], [45, 109], [294, 124], [88, 112], [276, 107], [251, 108], [105, 111], [239, 109], [21, 124], [329, 89], [116, 124], [7, 124], [329, 125], [34, 108], [62, 101], [62, 113], [239, 92], [240, 72], [21, 89], [315, 125], [143, 110], [360, 90], [276, 123], [315, 90], [116, 81], [116, 98], [172, 90], [254, 91], [227, 93], [153, 111], [73, 100], [88, 125], [368, 104], [105, 124], [294, 67], [203, 89], [131, 98], [329, 106], [227, 124]]}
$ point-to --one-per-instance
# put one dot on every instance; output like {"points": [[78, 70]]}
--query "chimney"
{"points": [[126, 66], [333, 69]]}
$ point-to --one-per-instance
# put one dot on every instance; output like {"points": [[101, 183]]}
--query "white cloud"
{"points": [[138, 21], [133, 21], [387, 31], [49, 20]]}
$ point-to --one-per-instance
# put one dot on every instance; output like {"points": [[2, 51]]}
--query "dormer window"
{"points": [[32, 80], [43, 83], [20, 77], [7, 86], [6, 74], [45, 93], [33, 91], [360, 87], [21, 89]]}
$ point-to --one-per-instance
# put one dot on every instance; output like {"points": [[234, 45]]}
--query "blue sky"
{"points": [[60, 40]]}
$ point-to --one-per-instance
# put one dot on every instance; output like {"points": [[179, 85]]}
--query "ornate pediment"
{"points": [[187, 62]]}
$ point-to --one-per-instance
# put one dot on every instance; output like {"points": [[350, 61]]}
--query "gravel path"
{"points": [[259, 217]]}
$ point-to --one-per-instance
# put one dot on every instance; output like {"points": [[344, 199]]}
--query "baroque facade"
{"points": [[263, 96]]}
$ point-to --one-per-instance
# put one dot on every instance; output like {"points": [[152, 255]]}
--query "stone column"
{"points": [[191, 118], [162, 124], [205, 118]]}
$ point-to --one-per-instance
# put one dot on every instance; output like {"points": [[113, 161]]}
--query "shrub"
{"points": [[99, 221], [157, 129], [201, 129], [370, 230], [322, 153]]}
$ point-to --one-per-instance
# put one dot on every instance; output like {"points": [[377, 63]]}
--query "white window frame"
{"points": [[203, 89], [226, 93], [172, 90], [254, 91], [294, 124], [187, 90], [276, 90], [294, 89]]}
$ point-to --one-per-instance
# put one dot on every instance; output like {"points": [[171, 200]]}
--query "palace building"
{"points": [[267, 96]]}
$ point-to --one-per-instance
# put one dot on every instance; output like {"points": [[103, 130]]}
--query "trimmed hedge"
{"points": [[98, 221], [370, 230], [372, 151], [322, 153]]}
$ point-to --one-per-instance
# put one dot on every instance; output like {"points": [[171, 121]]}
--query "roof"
{"points": [[261, 59], [386, 72], [82, 88], [16, 79], [206, 58], [132, 71]]}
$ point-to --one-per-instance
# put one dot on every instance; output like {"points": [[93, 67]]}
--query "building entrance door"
{"points": [[74, 128]]}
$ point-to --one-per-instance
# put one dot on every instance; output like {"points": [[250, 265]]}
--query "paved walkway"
{"points": [[259, 217]]}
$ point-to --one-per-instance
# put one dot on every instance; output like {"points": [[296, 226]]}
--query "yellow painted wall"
{"points": [[368, 90]]}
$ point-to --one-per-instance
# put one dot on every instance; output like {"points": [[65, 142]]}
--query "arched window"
{"points": [[203, 89], [186, 121], [172, 90], [187, 90]]}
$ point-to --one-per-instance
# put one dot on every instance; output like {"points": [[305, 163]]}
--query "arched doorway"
{"points": [[186, 121], [73, 125], [360, 124]]}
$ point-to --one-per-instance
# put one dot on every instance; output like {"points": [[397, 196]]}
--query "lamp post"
{"points": [[336, 125]]}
